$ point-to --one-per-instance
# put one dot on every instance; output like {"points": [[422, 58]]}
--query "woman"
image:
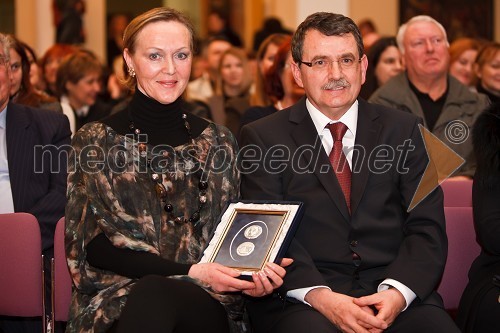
{"points": [[487, 68], [35, 79], [136, 226], [49, 64], [384, 61], [265, 58], [463, 52], [280, 85], [78, 84], [21, 90], [479, 309], [232, 89]]}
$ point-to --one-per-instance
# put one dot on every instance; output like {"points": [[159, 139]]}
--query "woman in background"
{"points": [[487, 68], [265, 59], [49, 64], [463, 52], [479, 309], [280, 86], [21, 90], [78, 85], [384, 61], [232, 89]]}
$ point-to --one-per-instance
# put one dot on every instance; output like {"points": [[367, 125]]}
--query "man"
{"points": [[362, 262], [447, 107], [203, 88], [32, 165]]}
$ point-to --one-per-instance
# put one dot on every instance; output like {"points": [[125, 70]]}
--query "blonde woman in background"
{"points": [[232, 89]]}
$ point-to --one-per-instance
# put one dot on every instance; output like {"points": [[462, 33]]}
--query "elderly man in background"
{"points": [[447, 107]]}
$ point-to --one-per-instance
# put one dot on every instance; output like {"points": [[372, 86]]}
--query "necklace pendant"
{"points": [[143, 150], [161, 191]]}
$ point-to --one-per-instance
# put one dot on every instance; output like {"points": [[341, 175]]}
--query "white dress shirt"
{"points": [[6, 201], [350, 119]]}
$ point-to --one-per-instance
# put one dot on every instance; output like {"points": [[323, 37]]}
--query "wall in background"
{"points": [[34, 22]]}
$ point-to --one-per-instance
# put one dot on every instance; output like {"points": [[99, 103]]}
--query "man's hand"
{"points": [[343, 312], [268, 279], [389, 304]]}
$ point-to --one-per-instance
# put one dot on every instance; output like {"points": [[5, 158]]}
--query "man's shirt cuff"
{"points": [[408, 294], [300, 294]]}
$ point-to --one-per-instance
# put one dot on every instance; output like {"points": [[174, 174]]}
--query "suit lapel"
{"points": [[367, 134], [305, 135], [19, 152]]}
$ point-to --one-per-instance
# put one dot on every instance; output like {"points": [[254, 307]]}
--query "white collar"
{"points": [[350, 118]]}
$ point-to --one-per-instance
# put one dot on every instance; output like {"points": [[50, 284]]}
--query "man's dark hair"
{"points": [[329, 24]]}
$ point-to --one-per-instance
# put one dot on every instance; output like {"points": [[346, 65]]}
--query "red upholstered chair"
{"points": [[457, 193], [462, 250], [21, 262], [61, 278]]}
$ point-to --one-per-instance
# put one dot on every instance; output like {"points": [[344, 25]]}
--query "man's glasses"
{"points": [[324, 63]]}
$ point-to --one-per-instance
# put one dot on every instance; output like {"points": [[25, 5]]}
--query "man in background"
{"points": [[447, 107]]}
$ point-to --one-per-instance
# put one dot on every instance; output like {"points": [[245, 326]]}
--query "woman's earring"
{"points": [[131, 72]]}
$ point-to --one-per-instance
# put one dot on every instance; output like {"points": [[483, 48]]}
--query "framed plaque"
{"points": [[250, 234]]}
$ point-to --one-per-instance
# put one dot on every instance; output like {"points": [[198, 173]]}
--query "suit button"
{"points": [[354, 243]]}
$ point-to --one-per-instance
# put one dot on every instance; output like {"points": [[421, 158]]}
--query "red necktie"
{"points": [[339, 161]]}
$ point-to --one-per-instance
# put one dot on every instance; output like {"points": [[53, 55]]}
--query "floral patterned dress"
{"points": [[111, 191]]}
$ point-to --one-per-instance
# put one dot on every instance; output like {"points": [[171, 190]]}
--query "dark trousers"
{"points": [[159, 304], [299, 318]]}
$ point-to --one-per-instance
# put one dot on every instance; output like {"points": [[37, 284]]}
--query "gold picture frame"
{"points": [[251, 234]]}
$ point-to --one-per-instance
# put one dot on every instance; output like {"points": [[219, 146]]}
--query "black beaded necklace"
{"points": [[156, 177]]}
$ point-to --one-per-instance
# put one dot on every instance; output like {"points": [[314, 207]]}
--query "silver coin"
{"points": [[245, 249], [253, 231]]}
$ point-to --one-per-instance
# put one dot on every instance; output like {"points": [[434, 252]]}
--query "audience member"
{"points": [[463, 52], [203, 88], [270, 26], [69, 29], [232, 90], [368, 32], [219, 26], [487, 68], [32, 169], [280, 86], [49, 64], [265, 59], [114, 47], [384, 62], [35, 77], [21, 90], [363, 262], [428, 91], [479, 308], [135, 228], [78, 86]]}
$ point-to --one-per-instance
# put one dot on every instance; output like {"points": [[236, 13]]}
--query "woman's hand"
{"points": [[224, 279], [270, 278], [220, 278]]}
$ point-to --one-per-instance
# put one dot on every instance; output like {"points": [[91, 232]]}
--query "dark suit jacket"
{"points": [[37, 169], [390, 242]]}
